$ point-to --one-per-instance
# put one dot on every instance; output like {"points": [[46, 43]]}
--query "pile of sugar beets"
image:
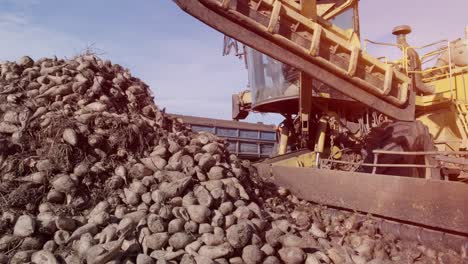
{"points": [[92, 171]]}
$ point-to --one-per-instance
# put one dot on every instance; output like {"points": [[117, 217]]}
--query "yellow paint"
{"points": [[245, 97], [336, 153], [321, 135], [443, 94], [324, 95], [446, 113], [283, 146], [443, 127], [306, 160]]}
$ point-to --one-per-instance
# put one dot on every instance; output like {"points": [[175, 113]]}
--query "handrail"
{"points": [[450, 70], [391, 165], [450, 66], [379, 152], [405, 52], [418, 153], [433, 54], [379, 44]]}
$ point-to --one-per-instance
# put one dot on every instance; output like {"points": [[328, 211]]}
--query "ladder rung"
{"points": [[353, 61], [274, 16], [388, 80], [315, 43]]}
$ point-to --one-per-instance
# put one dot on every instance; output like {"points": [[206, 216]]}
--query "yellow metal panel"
{"points": [[323, 8], [245, 97], [274, 16], [283, 144], [446, 111], [442, 125], [305, 160], [309, 9], [443, 93], [226, 3], [339, 10]]}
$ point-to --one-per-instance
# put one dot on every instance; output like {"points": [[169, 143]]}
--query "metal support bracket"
{"points": [[315, 44], [388, 81], [274, 16], [309, 9], [402, 198], [225, 3], [353, 61], [305, 105]]}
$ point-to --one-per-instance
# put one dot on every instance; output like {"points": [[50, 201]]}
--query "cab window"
{"points": [[344, 20]]}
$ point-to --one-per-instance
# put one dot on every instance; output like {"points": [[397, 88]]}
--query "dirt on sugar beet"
{"points": [[92, 171]]}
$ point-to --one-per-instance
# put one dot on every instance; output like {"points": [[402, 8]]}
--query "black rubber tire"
{"points": [[401, 136]]}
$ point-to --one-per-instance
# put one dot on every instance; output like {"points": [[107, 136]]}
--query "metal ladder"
{"points": [[327, 53]]}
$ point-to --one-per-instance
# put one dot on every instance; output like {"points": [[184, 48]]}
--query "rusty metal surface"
{"points": [[435, 204], [195, 120], [253, 36], [377, 165], [281, 105], [453, 160], [425, 236], [286, 156], [264, 167]]}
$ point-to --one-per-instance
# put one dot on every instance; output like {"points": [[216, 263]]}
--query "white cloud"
{"points": [[12, 19], [20, 4], [20, 37]]}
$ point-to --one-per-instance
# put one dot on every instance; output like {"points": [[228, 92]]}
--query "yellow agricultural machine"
{"points": [[362, 133]]}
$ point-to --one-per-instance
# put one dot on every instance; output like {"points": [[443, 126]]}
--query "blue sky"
{"points": [[178, 56]]}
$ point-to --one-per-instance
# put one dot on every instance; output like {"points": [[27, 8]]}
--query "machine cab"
{"points": [[274, 85]]}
